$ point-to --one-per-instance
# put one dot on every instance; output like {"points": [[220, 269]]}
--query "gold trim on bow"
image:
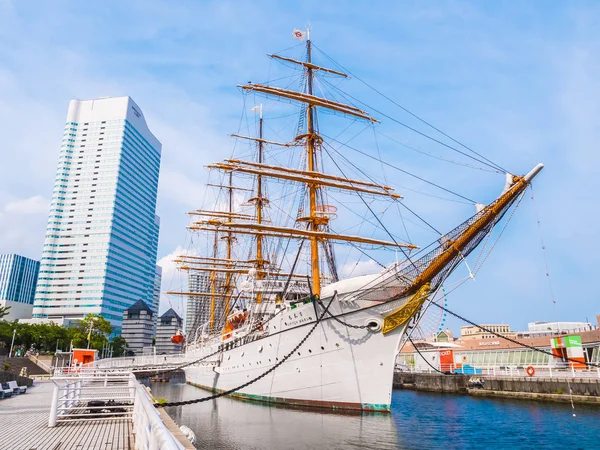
{"points": [[406, 311]]}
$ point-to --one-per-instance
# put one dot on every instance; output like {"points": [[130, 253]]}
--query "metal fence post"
{"points": [[54, 406]]}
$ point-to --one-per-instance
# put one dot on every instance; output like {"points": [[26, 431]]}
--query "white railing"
{"points": [[500, 370], [86, 394], [150, 431], [139, 361]]}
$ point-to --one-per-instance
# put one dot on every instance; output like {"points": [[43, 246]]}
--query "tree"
{"points": [[4, 311], [100, 328], [119, 346]]}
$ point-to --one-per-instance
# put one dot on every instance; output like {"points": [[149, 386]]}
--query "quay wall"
{"points": [[5, 377], [544, 385], [584, 390], [432, 382]]}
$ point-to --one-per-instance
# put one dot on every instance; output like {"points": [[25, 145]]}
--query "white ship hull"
{"points": [[338, 366]]}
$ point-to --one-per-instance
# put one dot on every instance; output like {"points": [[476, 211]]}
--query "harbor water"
{"points": [[419, 420]]}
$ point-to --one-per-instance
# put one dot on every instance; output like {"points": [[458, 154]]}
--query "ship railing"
{"points": [[506, 370], [93, 395]]}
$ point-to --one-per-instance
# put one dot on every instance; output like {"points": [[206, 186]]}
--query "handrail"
{"points": [[502, 370], [73, 393], [150, 431]]}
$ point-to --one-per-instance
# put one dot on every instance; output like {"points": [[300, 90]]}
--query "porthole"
{"points": [[337, 345], [309, 350], [322, 348], [298, 353]]}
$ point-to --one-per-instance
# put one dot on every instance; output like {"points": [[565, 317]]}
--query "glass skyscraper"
{"points": [[100, 249], [18, 277]]}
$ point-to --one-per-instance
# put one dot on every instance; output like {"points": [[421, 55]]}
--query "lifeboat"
{"points": [[237, 319], [234, 321]]}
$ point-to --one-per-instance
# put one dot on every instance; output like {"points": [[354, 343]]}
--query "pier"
{"points": [[25, 426], [87, 409]]}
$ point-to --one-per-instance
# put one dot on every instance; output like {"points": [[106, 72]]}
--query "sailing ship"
{"points": [[311, 339]]}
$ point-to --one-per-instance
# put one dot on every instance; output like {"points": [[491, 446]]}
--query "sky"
{"points": [[516, 81]]}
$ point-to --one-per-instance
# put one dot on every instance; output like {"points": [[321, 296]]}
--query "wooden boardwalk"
{"points": [[24, 426]]}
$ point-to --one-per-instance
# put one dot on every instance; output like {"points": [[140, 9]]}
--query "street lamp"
{"points": [[12, 343]]}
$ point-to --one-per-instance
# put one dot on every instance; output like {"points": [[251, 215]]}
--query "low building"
{"points": [[543, 328], [168, 325], [18, 279], [138, 327], [481, 354], [473, 332]]}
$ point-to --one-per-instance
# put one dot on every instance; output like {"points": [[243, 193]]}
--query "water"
{"points": [[419, 420]]}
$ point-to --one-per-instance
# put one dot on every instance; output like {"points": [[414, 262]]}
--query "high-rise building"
{"points": [[198, 307], [100, 250], [156, 296], [18, 277]]}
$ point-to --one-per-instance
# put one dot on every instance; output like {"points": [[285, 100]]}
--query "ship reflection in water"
{"points": [[418, 421]]}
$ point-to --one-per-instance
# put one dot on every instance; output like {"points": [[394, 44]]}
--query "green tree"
{"points": [[4, 311], [119, 346], [100, 329]]}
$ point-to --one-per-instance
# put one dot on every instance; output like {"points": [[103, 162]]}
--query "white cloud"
{"points": [[173, 280], [31, 205], [518, 96], [22, 225], [356, 268]]}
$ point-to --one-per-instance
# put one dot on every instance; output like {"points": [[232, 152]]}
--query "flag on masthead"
{"points": [[297, 34]]}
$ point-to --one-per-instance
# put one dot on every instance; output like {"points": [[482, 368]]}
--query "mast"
{"points": [[259, 206], [228, 253], [312, 188], [213, 287]]}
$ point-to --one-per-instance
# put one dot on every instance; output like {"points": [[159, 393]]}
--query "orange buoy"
{"points": [[530, 370]]}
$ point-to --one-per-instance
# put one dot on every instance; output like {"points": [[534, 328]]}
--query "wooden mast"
{"points": [[228, 254], [259, 207], [213, 282], [312, 188]]}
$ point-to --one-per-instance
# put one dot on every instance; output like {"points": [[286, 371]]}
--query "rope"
{"points": [[537, 218], [514, 341], [489, 163], [477, 267], [424, 359], [340, 321], [264, 374]]}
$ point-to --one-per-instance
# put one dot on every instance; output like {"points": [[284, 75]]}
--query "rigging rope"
{"points": [[537, 218], [424, 359], [489, 163], [514, 341], [401, 170]]}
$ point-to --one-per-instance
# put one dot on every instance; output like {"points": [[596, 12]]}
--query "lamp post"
{"points": [[12, 343]]}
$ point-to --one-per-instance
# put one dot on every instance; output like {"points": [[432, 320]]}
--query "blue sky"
{"points": [[517, 81]]}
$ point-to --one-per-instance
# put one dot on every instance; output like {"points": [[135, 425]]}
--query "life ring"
{"points": [[530, 371]]}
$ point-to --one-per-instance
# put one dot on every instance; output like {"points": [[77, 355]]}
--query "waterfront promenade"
{"points": [[24, 426]]}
